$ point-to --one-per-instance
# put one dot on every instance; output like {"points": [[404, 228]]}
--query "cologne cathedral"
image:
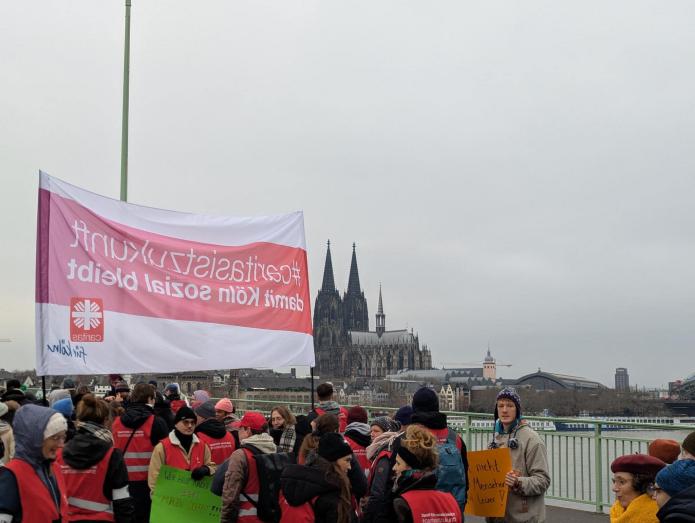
{"points": [[343, 343]]}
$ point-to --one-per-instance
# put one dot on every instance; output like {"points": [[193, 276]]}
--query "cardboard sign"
{"points": [[487, 493], [177, 497]]}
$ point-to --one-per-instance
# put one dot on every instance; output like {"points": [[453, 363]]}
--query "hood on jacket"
{"points": [[29, 424], [359, 433], [85, 450], [431, 420], [136, 414], [331, 407], [212, 427], [301, 483], [263, 442]]}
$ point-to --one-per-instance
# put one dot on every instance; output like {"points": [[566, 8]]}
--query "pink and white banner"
{"points": [[122, 288]]}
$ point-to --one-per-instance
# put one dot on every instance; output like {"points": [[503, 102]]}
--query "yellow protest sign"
{"points": [[487, 493]]}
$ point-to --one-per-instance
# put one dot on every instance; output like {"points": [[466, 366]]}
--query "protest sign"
{"points": [[122, 288], [177, 497], [487, 493]]}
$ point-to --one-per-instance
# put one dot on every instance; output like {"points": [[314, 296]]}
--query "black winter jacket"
{"points": [[680, 508], [137, 413]]}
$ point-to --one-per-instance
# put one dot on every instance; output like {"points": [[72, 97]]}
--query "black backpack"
{"points": [[269, 468]]}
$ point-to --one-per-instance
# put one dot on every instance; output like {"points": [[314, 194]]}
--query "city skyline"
{"points": [[512, 175]]}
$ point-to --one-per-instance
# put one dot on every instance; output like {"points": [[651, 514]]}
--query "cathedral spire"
{"points": [[380, 316], [354, 279], [328, 280]]}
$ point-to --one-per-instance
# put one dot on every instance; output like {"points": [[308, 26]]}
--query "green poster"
{"points": [[177, 497]]}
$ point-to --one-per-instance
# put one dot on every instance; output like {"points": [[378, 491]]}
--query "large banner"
{"points": [[122, 288]]}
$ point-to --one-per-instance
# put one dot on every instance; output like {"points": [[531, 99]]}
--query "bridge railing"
{"points": [[578, 462]]}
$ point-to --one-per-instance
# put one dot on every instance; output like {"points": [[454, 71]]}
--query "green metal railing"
{"points": [[579, 462]]}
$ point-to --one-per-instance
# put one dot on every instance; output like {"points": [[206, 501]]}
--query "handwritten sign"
{"points": [[487, 493], [177, 497]]}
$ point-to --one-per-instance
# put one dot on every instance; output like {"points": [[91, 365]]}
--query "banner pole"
{"points": [[126, 91], [43, 388], [311, 371]]}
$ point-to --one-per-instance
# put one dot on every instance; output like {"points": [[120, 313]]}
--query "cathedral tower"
{"points": [[380, 316], [356, 317], [328, 317]]}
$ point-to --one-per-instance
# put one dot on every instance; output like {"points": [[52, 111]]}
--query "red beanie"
{"points": [[357, 414], [667, 450]]}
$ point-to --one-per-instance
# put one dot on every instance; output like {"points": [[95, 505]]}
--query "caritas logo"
{"points": [[86, 319]]}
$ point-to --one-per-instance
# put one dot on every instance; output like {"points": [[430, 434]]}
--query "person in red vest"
{"points": [[241, 481], [135, 434], [319, 491], [182, 450], [213, 433], [415, 496], [327, 405], [29, 491], [357, 436], [172, 392], [91, 471]]}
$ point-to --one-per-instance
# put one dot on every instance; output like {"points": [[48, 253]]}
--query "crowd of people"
{"points": [[80, 457]]}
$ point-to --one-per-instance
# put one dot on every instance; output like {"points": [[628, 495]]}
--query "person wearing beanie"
{"points": [[357, 435], [172, 392], [633, 474], [327, 405], [6, 433], [92, 470], [688, 447], [213, 433], [224, 412], [28, 488], [404, 416], [282, 423], [382, 424], [667, 450], [415, 483], [242, 474], [529, 478], [135, 433], [182, 449], [66, 408], [321, 488], [674, 492]]}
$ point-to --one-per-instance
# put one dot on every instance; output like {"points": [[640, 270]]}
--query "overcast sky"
{"points": [[518, 173]]}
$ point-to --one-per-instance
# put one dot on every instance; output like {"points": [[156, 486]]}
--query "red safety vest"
{"points": [[304, 513], [437, 506], [36, 500], [360, 453], [177, 404], [137, 455], [220, 448], [84, 490], [383, 454], [175, 456], [342, 417], [247, 510]]}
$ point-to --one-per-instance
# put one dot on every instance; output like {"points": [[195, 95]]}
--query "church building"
{"points": [[344, 345]]}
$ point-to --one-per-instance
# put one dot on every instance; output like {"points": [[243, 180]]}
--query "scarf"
{"points": [[185, 440], [96, 430], [642, 509], [381, 441], [287, 439]]}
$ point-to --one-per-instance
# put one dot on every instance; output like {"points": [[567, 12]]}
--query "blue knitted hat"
{"points": [[676, 477]]}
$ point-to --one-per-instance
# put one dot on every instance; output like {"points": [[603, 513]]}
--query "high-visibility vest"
{"points": [[38, 505], [383, 454], [360, 453], [177, 404], [435, 505], [247, 510], [220, 448], [342, 417], [175, 456], [304, 513], [137, 455], [84, 490]]}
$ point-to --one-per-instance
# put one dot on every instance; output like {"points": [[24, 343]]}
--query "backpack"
{"points": [[451, 476], [269, 468], [304, 513]]}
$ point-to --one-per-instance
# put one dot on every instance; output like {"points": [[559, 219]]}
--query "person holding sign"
{"points": [[182, 450], [529, 479], [414, 488]]}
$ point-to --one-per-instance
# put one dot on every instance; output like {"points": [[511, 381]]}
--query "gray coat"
{"points": [[526, 504]]}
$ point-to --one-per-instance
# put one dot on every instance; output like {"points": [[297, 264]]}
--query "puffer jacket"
{"points": [[680, 508], [530, 459]]}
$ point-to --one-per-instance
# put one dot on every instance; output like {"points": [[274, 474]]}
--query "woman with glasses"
{"points": [[632, 475], [674, 492], [28, 489], [93, 473], [182, 450]]}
